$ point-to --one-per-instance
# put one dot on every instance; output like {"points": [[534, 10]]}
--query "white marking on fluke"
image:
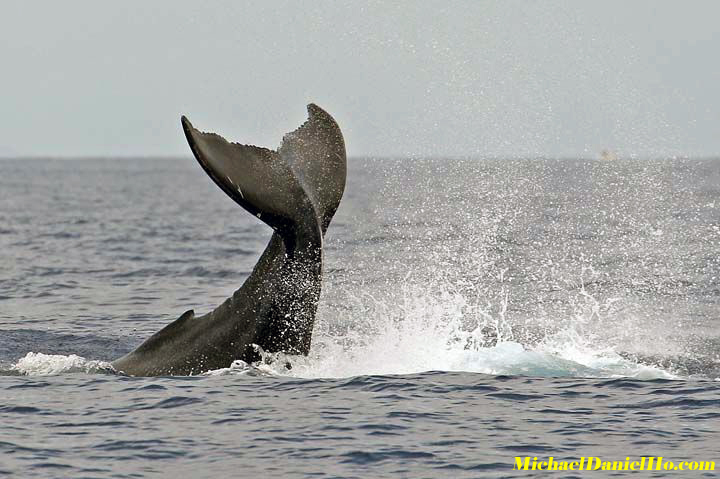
{"points": [[236, 186]]}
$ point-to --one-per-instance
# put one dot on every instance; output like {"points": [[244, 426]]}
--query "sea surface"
{"points": [[473, 311]]}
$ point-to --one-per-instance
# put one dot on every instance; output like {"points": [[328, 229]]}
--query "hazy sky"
{"points": [[471, 78]]}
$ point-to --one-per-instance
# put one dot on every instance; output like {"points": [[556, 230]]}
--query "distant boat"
{"points": [[607, 155]]}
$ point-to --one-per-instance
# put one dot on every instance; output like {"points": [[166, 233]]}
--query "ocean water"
{"points": [[473, 311]]}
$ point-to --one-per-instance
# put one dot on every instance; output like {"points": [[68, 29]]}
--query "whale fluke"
{"points": [[296, 190], [274, 185]]}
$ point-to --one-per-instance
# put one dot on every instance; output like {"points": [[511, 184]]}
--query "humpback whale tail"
{"points": [[296, 190], [302, 181]]}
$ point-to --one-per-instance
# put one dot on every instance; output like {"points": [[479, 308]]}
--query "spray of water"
{"points": [[441, 329]]}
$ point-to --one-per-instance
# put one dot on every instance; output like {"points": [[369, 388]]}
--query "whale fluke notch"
{"points": [[296, 190]]}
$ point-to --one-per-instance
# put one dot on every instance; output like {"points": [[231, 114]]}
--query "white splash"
{"points": [[444, 332], [39, 364]]}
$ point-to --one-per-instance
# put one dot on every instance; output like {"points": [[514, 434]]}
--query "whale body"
{"points": [[296, 190]]}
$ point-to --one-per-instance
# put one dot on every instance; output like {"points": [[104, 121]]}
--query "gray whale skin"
{"points": [[296, 191]]}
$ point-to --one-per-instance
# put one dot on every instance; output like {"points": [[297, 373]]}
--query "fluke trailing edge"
{"points": [[296, 191]]}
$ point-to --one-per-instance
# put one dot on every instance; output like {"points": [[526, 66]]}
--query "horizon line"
{"points": [[369, 157]]}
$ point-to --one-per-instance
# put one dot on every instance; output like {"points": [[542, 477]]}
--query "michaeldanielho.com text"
{"points": [[645, 463]]}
